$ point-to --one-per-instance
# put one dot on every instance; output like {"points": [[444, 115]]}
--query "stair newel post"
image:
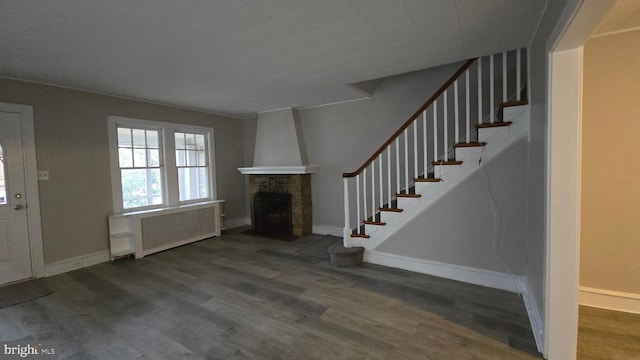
{"points": [[491, 91], [504, 77], [479, 90], [518, 74], [346, 232], [467, 107]]}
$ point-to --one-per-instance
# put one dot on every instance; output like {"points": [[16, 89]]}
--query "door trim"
{"points": [[31, 184]]}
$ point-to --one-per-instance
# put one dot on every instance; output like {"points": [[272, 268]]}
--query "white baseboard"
{"points": [[535, 319], [231, 224], [327, 230], [75, 263], [493, 279], [607, 299], [466, 274]]}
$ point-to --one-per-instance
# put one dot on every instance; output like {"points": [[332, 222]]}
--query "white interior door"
{"points": [[15, 251]]}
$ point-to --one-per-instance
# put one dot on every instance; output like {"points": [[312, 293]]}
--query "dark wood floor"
{"points": [[607, 334], [245, 297]]}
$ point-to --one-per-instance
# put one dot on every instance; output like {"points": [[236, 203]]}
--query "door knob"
{"points": [[19, 207]]}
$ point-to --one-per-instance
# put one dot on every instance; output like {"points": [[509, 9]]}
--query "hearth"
{"points": [[272, 213]]}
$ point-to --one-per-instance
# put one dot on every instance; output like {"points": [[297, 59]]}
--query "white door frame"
{"points": [[31, 184], [564, 157]]}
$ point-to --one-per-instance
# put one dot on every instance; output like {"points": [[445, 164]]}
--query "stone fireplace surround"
{"points": [[298, 185]]}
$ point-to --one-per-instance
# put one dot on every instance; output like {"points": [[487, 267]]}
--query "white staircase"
{"points": [[474, 117]]}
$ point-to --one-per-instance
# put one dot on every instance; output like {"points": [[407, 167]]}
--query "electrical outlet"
{"points": [[43, 175]]}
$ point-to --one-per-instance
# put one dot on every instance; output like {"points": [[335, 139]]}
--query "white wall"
{"points": [[480, 224]]}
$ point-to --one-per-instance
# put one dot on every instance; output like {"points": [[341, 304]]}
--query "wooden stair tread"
{"points": [[450, 162], [427, 179], [391, 209], [514, 103], [471, 144], [408, 195], [364, 236], [380, 223], [495, 124]]}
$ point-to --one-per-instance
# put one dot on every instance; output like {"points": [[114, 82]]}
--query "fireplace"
{"points": [[269, 195], [272, 213]]}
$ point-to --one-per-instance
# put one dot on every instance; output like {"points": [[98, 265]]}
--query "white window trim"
{"points": [[170, 194]]}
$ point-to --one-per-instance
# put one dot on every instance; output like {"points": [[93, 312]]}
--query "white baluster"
{"points": [[389, 174], [435, 130], [381, 183], [445, 128], [455, 111], [406, 160], [467, 107], [424, 142], [398, 164], [346, 232], [364, 196], [491, 90], [358, 218], [518, 74], [415, 148], [504, 77], [373, 190], [479, 90]]}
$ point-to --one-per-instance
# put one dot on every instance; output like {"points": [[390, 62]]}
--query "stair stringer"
{"points": [[498, 139]]}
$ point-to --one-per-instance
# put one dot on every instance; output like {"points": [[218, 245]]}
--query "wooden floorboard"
{"points": [[244, 297], [608, 334]]}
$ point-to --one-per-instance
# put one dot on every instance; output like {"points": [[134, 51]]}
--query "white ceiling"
{"points": [[239, 57]]}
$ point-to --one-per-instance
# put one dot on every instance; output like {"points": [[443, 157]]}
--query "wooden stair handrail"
{"points": [[413, 117]]}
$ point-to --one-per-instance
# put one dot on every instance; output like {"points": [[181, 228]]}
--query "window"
{"points": [[193, 171], [140, 167], [157, 164]]}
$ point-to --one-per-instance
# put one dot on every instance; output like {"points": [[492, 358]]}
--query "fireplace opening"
{"points": [[272, 213]]}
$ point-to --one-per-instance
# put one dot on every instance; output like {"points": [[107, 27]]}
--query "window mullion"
{"points": [[171, 170]]}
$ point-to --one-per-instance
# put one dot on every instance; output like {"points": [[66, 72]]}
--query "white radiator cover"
{"points": [[145, 232]]}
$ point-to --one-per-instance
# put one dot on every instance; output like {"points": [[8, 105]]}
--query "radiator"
{"points": [[145, 232]]}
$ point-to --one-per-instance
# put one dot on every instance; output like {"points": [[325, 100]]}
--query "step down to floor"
{"points": [[427, 179], [364, 236], [471, 144], [345, 257], [514, 103], [391, 209], [495, 124], [408, 195], [380, 223], [450, 162]]}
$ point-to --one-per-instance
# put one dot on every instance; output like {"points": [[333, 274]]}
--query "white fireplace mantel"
{"points": [[279, 170]]}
